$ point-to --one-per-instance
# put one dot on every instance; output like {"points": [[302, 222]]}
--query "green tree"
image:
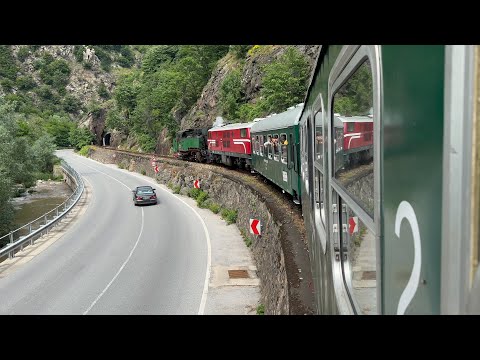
{"points": [[103, 92], [80, 137], [285, 81], [43, 152], [156, 56], [231, 94], [71, 104], [59, 129], [23, 53], [240, 51], [8, 69]]}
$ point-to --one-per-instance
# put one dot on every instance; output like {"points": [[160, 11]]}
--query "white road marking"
{"points": [[131, 251], [119, 270], [203, 301]]}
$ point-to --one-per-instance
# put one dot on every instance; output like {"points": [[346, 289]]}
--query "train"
{"points": [[383, 157]]}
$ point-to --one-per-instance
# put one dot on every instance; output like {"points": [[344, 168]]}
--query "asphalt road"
{"points": [[117, 258]]}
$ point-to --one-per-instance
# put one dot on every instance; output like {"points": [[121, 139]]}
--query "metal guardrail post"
{"points": [[33, 234], [10, 254]]}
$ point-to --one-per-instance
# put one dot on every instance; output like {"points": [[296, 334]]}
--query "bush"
{"points": [[143, 172], [193, 192], [214, 207], [78, 52], [84, 150], [202, 196], [230, 216], [176, 189], [23, 53], [170, 185], [87, 66], [261, 309]]}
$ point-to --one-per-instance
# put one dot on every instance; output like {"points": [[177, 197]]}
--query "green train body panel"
{"points": [[190, 143], [286, 175], [413, 93]]}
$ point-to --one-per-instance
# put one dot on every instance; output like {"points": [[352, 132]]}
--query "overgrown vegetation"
{"points": [[84, 150], [261, 309], [229, 215], [284, 84]]}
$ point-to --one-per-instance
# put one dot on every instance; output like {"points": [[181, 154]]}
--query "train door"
{"points": [[460, 284], [355, 189]]}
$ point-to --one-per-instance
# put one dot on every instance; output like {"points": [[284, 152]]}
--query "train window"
{"points": [[353, 161], [243, 133], [319, 196], [351, 127], [319, 138], [261, 144], [276, 147], [358, 247], [283, 145], [269, 146]]}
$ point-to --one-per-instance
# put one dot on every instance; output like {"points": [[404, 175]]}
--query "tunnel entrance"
{"points": [[106, 139]]}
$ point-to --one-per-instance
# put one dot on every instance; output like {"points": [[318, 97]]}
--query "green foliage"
{"points": [[239, 50], [43, 152], [103, 56], [84, 150], [246, 239], [71, 104], [80, 137], [229, 215], [176, 189], [87, 65], [23, 53], [193, 193], [214, 207], [127, 59], [60, 128], [8, 69], [285, 81], [94, 108], [248, 112], [170, 185], [156, 56], [143, 172], [103, 92], [45, 92], [261, 309], [146, 142], [78, 52], [231, 94], [25, 82], [55, 73], [7, 84], [355, 97]]}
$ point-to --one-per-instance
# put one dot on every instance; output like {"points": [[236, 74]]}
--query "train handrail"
{"points": [[56, 215]]}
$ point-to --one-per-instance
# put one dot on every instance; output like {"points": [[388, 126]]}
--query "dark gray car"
{"points": [[144, 195]]}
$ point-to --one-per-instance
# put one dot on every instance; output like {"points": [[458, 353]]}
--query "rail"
{"points": [[35, 229]]}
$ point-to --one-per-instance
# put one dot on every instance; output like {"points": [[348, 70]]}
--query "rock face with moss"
{"points": [[206, 109]]}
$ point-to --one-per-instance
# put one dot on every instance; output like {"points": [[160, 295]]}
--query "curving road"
{"points": [[117, 258]]}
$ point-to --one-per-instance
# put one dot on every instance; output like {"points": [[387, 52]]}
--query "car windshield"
{"points": [[144, 191]]}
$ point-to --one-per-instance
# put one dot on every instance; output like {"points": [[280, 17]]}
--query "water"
{"points": [[47, 196]]}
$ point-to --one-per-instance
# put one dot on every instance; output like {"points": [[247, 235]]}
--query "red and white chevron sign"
{"points": [[255, 227], [156, 169], [196, 184]]}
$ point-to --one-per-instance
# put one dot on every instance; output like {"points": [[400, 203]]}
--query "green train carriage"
{"points": [[279, 162], [398, 234]]}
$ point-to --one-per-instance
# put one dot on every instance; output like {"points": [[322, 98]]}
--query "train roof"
{"points": [[279, 121], [232, 126], [339, 119]]}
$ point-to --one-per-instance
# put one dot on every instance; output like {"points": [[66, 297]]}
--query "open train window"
{"points": [[276, 146], [283, 145], [261, 138], [268, 145], [243, 133]]}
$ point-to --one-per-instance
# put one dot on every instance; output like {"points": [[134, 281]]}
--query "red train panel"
{"points": [[233, 139], [357, 133]]}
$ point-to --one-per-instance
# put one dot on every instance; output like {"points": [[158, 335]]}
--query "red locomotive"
{"points": [[230, 144]]}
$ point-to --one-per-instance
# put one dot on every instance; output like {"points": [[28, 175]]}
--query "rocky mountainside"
{"points": [[204, 112]]}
